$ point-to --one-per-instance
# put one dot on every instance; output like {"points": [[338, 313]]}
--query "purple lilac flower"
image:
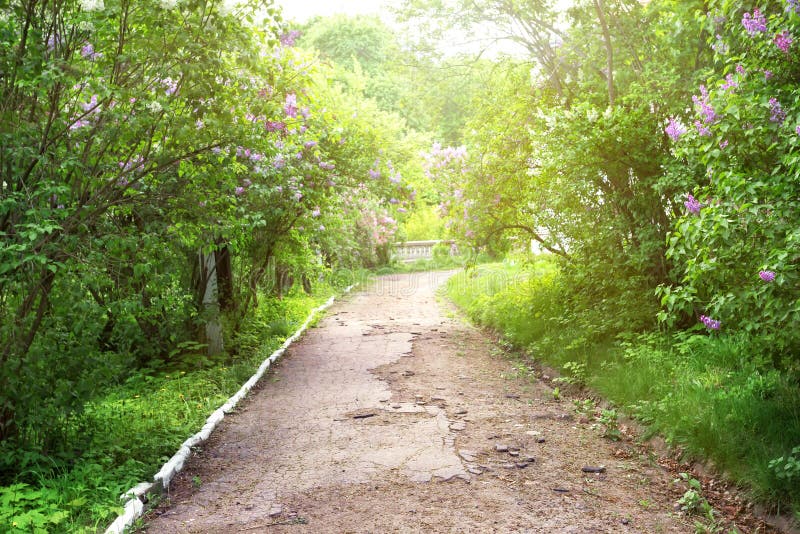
{"points": [[692, 204], [375, 174], [87, 52], [793, 5], [783, 41], [289, 38], [315, 212], [702, 129], [170, 86], [393, 201], [723, 144], [777, 114], [730, 83], [136, 163], [797, 129], [79, 124], [768, 75], [298, 195], [704, 107], [710, 323], [719, 46], [279, 162], [755, 23], [275, 126], [326, 166], [674, 130], [91, 104], [247, 182], [767, 276], [290, 105], [239, 191], [740, 69], [310, 144], [305, 112]]}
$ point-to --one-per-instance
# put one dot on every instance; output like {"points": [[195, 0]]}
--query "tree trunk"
{"points": [[211, 304], [601, 16], [224, 269]]}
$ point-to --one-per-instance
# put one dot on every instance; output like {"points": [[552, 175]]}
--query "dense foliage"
{"points": [[652, 149], [181, 179], [169, 170], [735, 242]]}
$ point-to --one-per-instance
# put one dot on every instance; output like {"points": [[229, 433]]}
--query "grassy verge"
{"points": [[716, 397], [136, 426]]}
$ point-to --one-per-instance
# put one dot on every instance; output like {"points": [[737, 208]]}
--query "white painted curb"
{"points": [[134, 507]]}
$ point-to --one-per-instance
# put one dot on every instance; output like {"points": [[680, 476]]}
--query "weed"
{"points": [[608, 418], [575, 373], [520, 371], [787, 467], [693, 503], [585, 407]]}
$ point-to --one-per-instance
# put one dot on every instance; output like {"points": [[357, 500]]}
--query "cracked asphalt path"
{"points": [[392, 415]]}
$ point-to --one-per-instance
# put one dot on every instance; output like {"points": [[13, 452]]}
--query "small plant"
{"points": [[556, 394], [575, 374], [787, 467], [608, 418], [521, 371], [693, 503], [197, 481], [584, 407]]}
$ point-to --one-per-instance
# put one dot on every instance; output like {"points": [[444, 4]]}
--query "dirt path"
{"points": [[392, 416]]}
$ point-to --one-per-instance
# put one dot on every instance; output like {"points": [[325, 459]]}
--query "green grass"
{"points": [[126, 435], [716, 397]]}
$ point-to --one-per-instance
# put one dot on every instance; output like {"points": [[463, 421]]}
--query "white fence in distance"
{"points": [[417, 250]]}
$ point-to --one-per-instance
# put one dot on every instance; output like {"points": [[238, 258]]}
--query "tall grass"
{"points": [[718, 398]]}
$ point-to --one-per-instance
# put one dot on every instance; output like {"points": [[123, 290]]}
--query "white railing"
{"points": [[416, 250]]}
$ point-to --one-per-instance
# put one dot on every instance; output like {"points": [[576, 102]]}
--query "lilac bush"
{"points": [[744, 156]]}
